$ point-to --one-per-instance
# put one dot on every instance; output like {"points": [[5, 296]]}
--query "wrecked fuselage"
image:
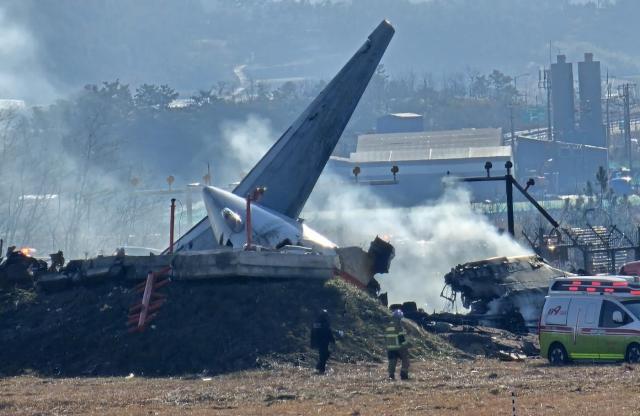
{"points": [[505, 292]]}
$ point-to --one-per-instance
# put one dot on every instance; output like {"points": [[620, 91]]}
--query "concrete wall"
{"points": [[572, 164]]}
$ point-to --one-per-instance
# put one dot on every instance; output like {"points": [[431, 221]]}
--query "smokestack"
{"points": [[592, 130], [562, 99]]}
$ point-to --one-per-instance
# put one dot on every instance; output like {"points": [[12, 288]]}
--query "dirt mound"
{"points": [[203, 327]]}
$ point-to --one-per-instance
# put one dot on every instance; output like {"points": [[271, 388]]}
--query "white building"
{"points": [[423, 159]]}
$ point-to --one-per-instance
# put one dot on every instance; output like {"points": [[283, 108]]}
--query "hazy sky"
{"points": [[51, 48]]}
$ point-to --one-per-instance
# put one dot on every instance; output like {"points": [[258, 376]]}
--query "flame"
{"points": [[27, 251]]}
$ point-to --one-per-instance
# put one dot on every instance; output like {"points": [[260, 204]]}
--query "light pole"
{"points": [[515, 87], [515, 80]]}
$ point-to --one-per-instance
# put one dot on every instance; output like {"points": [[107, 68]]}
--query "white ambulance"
{"points": [[591, 318]]}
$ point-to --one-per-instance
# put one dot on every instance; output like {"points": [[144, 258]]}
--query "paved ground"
{"points": [[438, 387]]}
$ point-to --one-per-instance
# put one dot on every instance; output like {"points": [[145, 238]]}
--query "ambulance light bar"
{"points": [[599, 286]]}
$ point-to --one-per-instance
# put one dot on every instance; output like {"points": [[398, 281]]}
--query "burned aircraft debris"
{"points": [[20, 268], [505, 292]]}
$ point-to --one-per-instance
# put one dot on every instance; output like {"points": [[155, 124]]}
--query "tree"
{"points": [[454, 86], [376, 92], [479, 86], [603, 180], [262, 91], [503, 90], [154, 96], [204, 97], [287, 91], [95, 122], [588, 190]]}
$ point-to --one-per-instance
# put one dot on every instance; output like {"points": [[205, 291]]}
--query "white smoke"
{"points": [[21, 76], [429, 239], [247, 141]]}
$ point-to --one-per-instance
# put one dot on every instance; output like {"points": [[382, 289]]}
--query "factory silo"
{"points": [[591, 128], [562, 101]]}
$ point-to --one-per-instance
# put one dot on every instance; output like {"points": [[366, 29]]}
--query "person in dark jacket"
{"points": [[321, 337]]}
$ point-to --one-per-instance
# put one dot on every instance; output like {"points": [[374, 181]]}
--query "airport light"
{"points": [[394, 171], [508, 165], [530, 183], [487, 167]]}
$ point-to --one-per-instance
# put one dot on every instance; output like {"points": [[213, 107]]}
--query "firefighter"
{"points": [[321, 337], [397, 346], [10, 251], [57, 261]]}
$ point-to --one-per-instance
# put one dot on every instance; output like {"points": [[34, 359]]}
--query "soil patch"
{"points": [[204, 328]]}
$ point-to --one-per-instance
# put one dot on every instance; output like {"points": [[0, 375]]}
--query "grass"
{"points": [[438, 387]]}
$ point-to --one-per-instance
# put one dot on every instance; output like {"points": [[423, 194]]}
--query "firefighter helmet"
{"points": [[397, 314]]}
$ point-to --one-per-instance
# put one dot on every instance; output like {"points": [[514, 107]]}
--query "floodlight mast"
{"points": [[510, 182]]}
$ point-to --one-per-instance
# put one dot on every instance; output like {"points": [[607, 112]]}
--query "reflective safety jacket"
{"points": [[395, 339]]}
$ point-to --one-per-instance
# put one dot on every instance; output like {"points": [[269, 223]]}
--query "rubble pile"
{"points": [[203, 327], [468, 333], [492, 342]]}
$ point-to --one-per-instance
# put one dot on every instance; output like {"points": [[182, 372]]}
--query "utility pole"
{"points": [[544, 82], [627, 123], [514, 101], [608, 131], [509, 191], [172, 217], [513, 133]]}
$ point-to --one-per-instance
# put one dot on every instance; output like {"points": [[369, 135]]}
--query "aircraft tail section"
{"points": [[291, 168]]}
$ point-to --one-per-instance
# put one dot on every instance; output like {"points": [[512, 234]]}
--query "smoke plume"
{"points": [[429, 239], [21, 76], [245, 142]]}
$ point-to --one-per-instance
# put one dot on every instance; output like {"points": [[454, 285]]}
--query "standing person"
{"points": [[397, 346], [321, 337]]}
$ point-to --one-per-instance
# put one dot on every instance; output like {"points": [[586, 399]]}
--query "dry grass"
{"points": [[438, 387]]}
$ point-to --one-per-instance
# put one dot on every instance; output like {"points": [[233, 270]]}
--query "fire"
{"points": [[28, 251]]}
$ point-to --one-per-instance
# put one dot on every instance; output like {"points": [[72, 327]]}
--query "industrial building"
{"points": [[562, 161], [566, 167], [570, 156], [422, 161]]}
